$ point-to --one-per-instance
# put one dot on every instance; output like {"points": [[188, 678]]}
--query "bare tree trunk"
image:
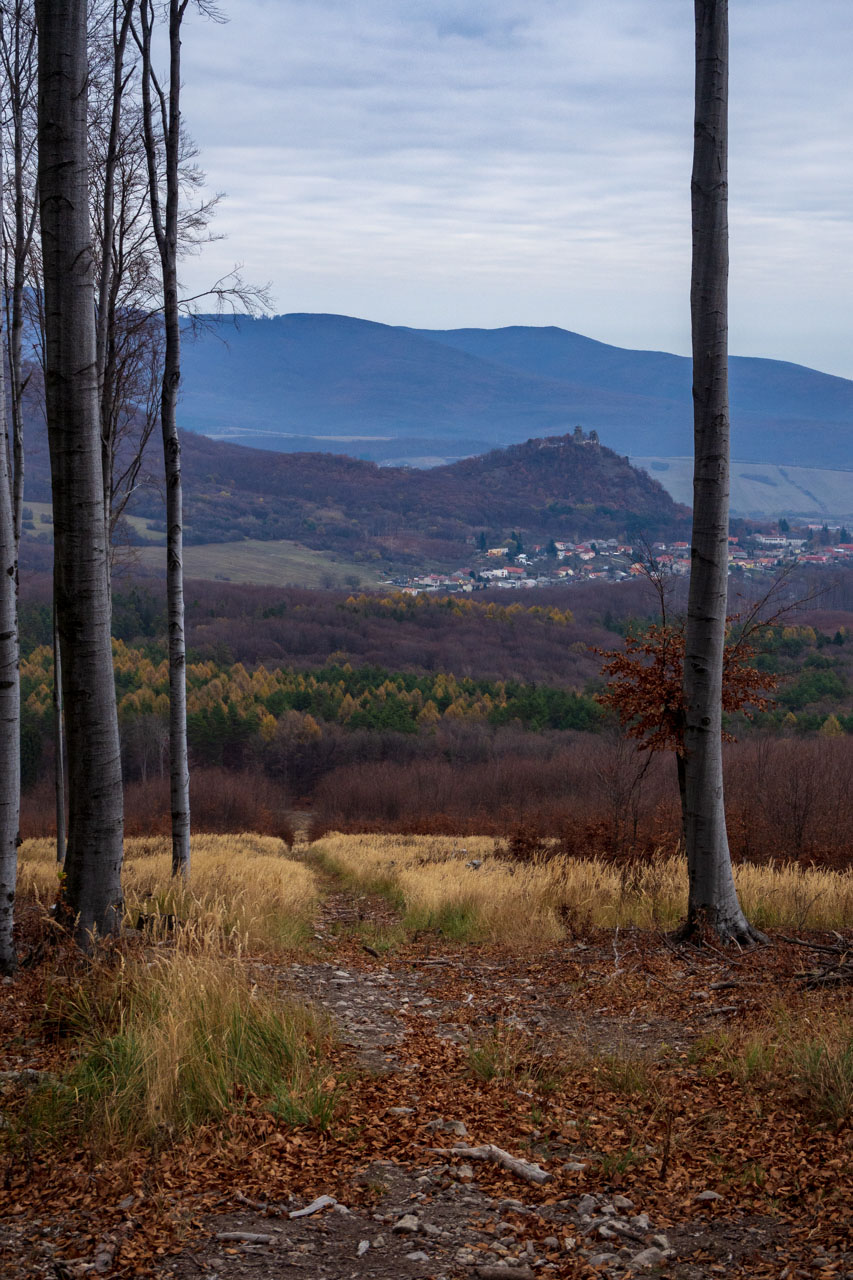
{"points": [[10, 690], [713, 900], [92, 890], [166, 232], [105, 323], [17, 52], [58, 748]]}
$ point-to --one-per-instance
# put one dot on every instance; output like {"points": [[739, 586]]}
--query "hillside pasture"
{"points": [[267, 564]]}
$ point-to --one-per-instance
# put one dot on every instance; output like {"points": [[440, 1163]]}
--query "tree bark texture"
{"points": [[712, 898], [105, 324], [166, 231], [17, 52], [92, 891], [58, 749], [10, 695]]}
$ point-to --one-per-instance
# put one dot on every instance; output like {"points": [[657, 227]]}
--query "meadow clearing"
{"points": [[267, 1032]]}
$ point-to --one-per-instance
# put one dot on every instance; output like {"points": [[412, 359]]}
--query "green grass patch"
{"points": [[790, 1056], [456, 921], [512, 1054], [383, 936], [626, 1074], [165, 1045]]}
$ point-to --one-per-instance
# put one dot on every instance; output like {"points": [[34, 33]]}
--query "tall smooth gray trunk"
{"points": [[165, 222], [10, 695], [713, 901], [92, 892], [58, 749]]}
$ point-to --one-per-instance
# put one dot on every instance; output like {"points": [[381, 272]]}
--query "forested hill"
{"points": [[331, 382], [545, 488], [542, 488]]}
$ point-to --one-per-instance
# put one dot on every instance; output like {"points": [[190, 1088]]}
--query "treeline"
{"points": [[234, 715], [787, 799], [493, 638], [404, 742], [298, 721]]}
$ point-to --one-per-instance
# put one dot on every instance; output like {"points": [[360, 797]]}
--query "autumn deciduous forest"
{"points": [[398, 713], [405, 931]]}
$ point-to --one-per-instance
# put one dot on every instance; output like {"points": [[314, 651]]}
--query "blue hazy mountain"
{"points": [[304, 381]]}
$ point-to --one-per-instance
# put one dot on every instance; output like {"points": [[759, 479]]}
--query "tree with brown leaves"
{"points": [[646, 684]]}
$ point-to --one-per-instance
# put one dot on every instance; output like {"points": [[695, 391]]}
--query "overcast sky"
{"points": [[440, 163]]}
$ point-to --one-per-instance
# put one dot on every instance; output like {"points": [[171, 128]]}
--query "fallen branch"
{"points": [[521, 1168], [827, 976], [245, 1237], [831, 974], [843, 948], [265, 1207], [322, 1202]]}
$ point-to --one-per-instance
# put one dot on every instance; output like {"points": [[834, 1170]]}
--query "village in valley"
{"points": [[511, 566]]}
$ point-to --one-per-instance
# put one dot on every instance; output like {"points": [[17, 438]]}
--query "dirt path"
{"points": [[583, 1063], [409, 1016]]}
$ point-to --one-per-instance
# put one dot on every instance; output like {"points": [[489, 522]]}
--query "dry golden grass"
{"points": [[165, 1042], [167, 1038], [532, 904], [242, 889]]}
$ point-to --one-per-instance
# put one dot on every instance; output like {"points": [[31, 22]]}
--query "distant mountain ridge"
{"points": [[304, 382], [548, 487]]}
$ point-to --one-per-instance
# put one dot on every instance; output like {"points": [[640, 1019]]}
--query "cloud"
{"points": [[526, 162]]}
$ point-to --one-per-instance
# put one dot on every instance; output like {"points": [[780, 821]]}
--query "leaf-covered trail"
{"points": [[596, 1061]]}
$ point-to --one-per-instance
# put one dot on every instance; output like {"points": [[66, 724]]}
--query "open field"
{"points": [[139, 524], [265, 564], [765, 488], [272, 564], [370, 1019]]}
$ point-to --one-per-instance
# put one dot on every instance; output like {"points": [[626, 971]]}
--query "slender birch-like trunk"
{"points": [[10, 689], [165, 222], [17, 53], [106, 317], [713, 901], [58, 748], [92, 892]]}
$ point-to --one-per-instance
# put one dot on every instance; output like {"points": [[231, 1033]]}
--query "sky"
{"points": [[446, 163]]}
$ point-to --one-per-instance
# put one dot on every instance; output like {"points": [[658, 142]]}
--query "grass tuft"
{"points": [[626, 1073], [510, 1053], [167, 1043], [789, 1055]]}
